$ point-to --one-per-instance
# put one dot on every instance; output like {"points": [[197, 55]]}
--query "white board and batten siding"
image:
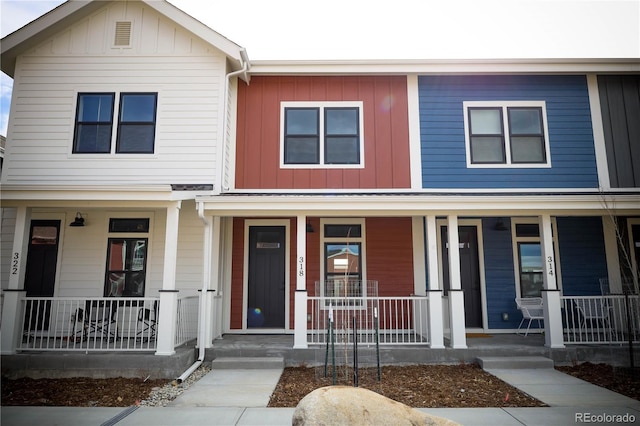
{"points": [[187, 73]]}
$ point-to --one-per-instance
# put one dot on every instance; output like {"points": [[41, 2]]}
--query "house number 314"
{"points": [[550, 262]]}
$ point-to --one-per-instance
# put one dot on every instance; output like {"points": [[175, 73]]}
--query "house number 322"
{"points": [[15, 263]]}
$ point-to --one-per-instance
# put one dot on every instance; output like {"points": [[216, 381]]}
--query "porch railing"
{"points": [[400, 320], [610, 319], [187, 326], [88, 324]]}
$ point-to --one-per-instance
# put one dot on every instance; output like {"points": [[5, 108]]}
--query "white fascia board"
{"points": [[28, 36], [18, 194], [419, 205], [493, 66]]}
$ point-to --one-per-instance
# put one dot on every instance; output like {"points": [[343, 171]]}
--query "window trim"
{"points": [[115, 124], [321, 105], [515, 240], [77, 122], [363, 255], [152, 124], [506, 133], [148, 285]]}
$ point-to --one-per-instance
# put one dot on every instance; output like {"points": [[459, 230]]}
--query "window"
{"points": [[528, 252], [129, 225], [126, 267], [137, 123], [506, 134], [322, 135], [94, 123], [343, 262]]}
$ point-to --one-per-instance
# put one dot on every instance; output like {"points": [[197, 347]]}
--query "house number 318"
{"points": [[550, 262], [301, 270]]}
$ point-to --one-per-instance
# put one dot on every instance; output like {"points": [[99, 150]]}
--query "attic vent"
{"points": [[123, 33]]}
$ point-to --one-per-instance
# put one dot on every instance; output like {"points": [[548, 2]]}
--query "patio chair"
{"points": [[147, 322], [531, 308], [100, 319], [594, 311]]}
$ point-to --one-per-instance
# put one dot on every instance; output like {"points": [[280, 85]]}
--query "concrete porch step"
{"points": [[515, 362], [247, 363]]}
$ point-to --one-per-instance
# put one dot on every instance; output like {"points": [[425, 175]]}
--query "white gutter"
{"points": [[206, 275], [227, 83], [206, 278]]}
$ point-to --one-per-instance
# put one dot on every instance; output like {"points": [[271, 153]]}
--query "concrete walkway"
{"points": [[240, 396]]}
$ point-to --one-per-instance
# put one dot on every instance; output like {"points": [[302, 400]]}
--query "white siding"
{"points": [[83, 251], [187, 73]]}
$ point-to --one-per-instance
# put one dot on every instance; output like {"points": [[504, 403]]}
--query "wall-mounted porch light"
{"points": [[78, 221], [500, 226], [309, 227]]}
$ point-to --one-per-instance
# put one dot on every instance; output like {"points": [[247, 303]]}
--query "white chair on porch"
{"points": [[532, 309]]}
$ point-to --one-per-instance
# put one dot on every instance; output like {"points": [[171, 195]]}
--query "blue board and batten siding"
{"points": [[582, 260], [444, 164]]}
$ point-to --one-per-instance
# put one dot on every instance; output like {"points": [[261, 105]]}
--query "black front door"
{"points": [[469, 273], [266, 286], [40, 272]]}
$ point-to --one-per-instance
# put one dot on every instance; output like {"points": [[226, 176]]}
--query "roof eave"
{"points": [[69, 12]]}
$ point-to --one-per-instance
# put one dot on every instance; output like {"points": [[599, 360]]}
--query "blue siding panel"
{"points": [[573, 162], [582, 255], [499, 276]]}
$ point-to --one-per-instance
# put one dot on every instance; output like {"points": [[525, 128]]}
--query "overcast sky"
{"points": [[398, 29]]}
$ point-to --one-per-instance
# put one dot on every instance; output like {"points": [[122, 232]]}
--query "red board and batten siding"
{"points": [[389, 252], [386, 132]]}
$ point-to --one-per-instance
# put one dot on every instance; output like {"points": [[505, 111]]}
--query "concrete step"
{"points": [[515, 362], [247, 363]]}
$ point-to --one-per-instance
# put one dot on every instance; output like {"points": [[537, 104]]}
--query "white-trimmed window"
{"points": [[528, 261], [343, 261], [506, 134], [136, 123], [321, 135]]}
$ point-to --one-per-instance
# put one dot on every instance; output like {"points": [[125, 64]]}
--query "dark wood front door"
{"points": [[40, 272], [469, 273], [266, 279]]}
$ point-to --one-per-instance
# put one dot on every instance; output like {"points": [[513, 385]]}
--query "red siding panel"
{"points": [[386, 134]]}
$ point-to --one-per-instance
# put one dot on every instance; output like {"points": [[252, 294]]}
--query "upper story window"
{"points": [[323, 135], [506, 134], [136, 123]]}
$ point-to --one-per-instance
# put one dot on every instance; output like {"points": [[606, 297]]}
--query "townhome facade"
{"points": [[151, 170]]}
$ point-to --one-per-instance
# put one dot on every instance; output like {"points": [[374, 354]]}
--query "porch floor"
{"points": [[505, 345]]}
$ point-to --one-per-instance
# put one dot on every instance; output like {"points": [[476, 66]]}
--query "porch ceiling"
{"points": [[418, 204]]}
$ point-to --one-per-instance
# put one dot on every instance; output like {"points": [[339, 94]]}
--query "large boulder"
{"points": [[344, 405]]}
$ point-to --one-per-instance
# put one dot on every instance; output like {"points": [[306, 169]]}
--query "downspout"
{"points": [[203, 303], [207, 226], [225, 122]]}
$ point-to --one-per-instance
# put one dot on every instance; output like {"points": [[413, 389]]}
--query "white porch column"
{"points": [[169, 295], [551, 295], [436, 323], [212, 272], [300, 319], [456, 296], [611, 250], [11, 309]]}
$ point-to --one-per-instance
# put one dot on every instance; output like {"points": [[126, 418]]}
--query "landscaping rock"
{"points": [[345, 405]]}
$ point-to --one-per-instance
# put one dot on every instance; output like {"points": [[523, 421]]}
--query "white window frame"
{"points": [[516, 256], [321, 106], [504, 105], [363, 257]]}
